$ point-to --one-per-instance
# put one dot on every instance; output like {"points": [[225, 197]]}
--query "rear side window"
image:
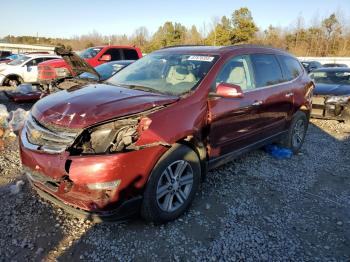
{"points": [[267, 71], [291, 67], [114, 53], [130, 54]]}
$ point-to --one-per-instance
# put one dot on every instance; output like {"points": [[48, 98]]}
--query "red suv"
{"points": [[145, 138]]}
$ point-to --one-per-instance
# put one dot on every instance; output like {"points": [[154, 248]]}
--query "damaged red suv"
{"points": [[144, 139]]}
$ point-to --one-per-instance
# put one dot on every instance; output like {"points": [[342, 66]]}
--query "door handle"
{"points": [[289, 94], [257, 103]]}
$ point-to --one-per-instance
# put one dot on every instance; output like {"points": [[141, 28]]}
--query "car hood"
{"points": [[329, 89], [92, 104], [77, 64]]}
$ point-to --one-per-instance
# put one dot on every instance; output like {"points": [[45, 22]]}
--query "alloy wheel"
{"points": [[298, 133], [174, 186]]}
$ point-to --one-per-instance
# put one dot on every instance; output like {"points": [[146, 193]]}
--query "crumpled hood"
{"points": [[95, 103], [328, 89]]}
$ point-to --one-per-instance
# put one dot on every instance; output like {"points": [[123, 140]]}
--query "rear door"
{"points": [[275, 93], [234, 122]]}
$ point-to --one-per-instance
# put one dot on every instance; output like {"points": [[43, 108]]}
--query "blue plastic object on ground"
{"points": [[278, 152]]}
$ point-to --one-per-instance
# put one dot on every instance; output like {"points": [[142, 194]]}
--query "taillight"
{"points": [[46, 73], [62, 72]]}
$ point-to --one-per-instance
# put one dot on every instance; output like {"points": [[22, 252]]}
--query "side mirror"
{"points": [[105, 58], [229, 90]]}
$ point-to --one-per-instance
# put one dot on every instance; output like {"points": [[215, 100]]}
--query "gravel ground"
{"points": [[255, 208]]}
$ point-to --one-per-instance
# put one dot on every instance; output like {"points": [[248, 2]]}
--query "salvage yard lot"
{"points": [[254, 208]]}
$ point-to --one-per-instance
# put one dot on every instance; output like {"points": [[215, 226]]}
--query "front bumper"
{"points": [[332, 111], [63, 178]]}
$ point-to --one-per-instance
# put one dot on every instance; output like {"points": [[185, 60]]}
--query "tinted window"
{"points": [[130, 54], [114, 53], [4, 53], [237, 71], [291, 67], [266, 69]]}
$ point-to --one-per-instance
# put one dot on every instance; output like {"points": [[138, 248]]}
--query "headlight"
{"points": [[338, 99], [108, 138]]}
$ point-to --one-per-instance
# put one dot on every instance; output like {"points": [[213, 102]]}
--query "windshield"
{"points": [[105, 71], [331, 77], [90, 52], [173, 74], [14, 56], [19, 61]]}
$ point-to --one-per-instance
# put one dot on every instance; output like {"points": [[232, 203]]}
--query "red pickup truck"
{"points": [[58, 68]]}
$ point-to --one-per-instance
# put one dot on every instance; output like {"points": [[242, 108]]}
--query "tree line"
{"points": [[329, 37]]}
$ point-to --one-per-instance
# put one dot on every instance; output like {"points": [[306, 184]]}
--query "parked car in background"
{"points": [[311, 65], [23, 69], [144, 139], [106, 70], [334, 65], [332, 94], [29, 93], [94, 56], [10, 58], [84, 73]]}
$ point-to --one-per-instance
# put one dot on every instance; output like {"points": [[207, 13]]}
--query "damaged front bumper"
{"points": [[322, 108], [70, 181]]}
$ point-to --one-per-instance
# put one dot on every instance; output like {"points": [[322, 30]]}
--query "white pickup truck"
{"points": [[23, 70]]}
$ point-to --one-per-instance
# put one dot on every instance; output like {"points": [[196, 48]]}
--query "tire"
{"points": [[296, 132], [13, 81], [167, 194]]}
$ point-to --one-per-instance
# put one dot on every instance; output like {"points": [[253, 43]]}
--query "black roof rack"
{"points": [[171, 46]]}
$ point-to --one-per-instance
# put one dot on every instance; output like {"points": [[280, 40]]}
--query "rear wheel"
{"points": [[172, 185], [296, 133]]}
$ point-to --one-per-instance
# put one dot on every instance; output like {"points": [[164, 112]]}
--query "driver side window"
{"points": [[237, 71]]}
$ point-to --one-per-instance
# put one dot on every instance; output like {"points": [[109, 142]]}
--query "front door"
{"points": [[234, 122]]}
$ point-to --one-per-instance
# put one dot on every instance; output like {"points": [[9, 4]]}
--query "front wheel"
{"points": [[172, 185], [296, 132]]}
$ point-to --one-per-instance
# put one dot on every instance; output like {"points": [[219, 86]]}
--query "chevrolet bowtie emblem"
{"points": [[35, 134]]}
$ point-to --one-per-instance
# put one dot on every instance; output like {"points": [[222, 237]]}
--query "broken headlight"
{"points": [[338, 99], [112, 137]]}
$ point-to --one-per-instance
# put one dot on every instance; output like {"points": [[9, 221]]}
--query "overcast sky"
{"points": [[66, 18]]}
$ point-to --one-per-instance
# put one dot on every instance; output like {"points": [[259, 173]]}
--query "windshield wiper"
{"points": [[142, 88]]}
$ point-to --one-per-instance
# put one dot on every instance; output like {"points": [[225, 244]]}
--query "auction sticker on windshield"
{"points": [[201, 58]]}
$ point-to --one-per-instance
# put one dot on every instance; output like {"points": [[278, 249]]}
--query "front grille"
{"points": [[50, 140]]}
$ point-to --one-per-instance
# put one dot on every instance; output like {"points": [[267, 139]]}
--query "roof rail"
{"points": [[181, 46]]}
